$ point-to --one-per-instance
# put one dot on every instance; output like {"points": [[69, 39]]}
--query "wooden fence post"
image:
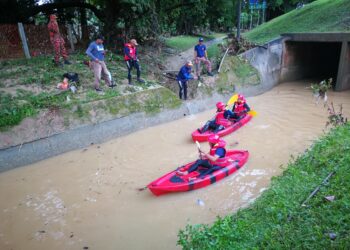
{"points": [[22, 34]]}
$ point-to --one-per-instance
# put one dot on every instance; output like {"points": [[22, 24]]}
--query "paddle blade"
{"points": [[252, 113], [232, 100], [198, 145], [141, 189]]}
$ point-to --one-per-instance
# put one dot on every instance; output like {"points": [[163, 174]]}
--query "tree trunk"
{"points": [[84, 27], [239, 20]]}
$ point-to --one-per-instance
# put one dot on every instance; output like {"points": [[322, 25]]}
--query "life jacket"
{"points": [[221, 162], [239, 108], [132, 52], [220, 118]]}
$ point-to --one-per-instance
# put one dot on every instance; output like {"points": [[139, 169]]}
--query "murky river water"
{"points": [[88, 198]]}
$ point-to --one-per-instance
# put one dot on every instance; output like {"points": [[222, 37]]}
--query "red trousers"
{"points": [[58, 45]]}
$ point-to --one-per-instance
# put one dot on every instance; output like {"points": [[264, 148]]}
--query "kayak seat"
{"points": [[176, 179]]}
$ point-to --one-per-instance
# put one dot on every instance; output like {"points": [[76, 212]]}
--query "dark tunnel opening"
{"points": [[311, 60]]}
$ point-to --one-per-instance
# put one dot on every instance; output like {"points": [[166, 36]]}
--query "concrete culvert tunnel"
{"points": [[317, 56]]}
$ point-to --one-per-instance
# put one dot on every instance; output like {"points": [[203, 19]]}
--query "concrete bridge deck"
{"points": [[321, 55]]}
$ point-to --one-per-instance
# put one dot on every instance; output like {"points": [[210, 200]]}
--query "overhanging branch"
{"points": [[51, 6]]}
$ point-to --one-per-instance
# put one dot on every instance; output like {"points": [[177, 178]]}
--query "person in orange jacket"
{"points": [[131, 60], [213, 160], [218, 122], [239, 109]]}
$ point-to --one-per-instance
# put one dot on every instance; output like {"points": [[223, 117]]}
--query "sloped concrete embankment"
{"points": [[83, 136], [267, 60]]}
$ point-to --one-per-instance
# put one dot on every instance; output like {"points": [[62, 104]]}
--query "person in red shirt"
{"points": [[57, 41]]}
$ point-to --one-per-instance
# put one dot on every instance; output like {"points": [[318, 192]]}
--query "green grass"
{"points": [[276, 220], [318, 16], [185, 42], [214, 35], [181, 42], [214, 52]]}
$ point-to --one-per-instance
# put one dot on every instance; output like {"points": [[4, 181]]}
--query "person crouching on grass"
{"points": [[182, 78]]}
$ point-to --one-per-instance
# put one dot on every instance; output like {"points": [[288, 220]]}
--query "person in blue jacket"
{"points": [[182, 77], [96, 52]]}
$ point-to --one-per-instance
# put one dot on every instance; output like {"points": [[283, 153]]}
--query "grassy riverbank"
{"points": [[29, 86], [276, 220], [318, 16]]}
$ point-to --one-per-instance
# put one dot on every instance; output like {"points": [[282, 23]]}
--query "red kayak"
{"points": [[229, 128], [172, 182]]}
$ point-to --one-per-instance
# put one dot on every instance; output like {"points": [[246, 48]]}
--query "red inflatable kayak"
{"points": [[172, 182], [229, 128]]}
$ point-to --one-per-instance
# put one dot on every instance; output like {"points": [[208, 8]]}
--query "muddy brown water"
{"points": [[88, 197]]}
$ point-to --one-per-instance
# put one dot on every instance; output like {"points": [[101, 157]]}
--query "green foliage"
{"points": [[221, 14], [11, 115], [322, 87], [276, 220], [335, 118], [318, 16], [14, 109], [214, 53]]}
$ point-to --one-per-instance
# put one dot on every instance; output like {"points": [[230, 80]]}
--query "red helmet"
{"points": [[214, 139], [241, 98], [220, 105]]}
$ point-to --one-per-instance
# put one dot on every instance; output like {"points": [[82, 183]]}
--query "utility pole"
{"points": [[23, 37], [264, 11], [251, 19], [239, 20]]}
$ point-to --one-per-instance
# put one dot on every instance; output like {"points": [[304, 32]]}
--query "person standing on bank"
{"points": [[131, 60], [182, 78], [57, 41], [201, 55], [96, 52]]}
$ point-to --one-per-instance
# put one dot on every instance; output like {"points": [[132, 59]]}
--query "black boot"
{"points": [[58, 64], [140, 80], [130, 82]]}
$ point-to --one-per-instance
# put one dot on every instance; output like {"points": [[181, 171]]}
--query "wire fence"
{"points": [[38, 40]]}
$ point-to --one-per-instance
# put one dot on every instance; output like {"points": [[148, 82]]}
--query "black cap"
{"points": [[100, 37]]}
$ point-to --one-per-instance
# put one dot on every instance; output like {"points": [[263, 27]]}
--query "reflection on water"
{"points": [[88, 197]]}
